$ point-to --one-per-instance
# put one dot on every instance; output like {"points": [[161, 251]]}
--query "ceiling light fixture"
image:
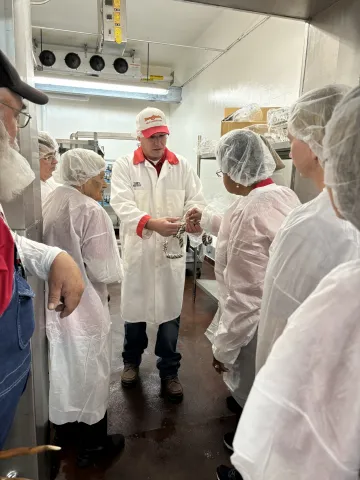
{"points": [[67, 82]]}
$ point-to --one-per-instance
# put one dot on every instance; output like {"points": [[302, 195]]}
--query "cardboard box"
{"points": [[228, 126]]}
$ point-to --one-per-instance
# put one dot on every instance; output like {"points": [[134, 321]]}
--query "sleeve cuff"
{"points": [[141, 225], [50, 256], [228, 358]]}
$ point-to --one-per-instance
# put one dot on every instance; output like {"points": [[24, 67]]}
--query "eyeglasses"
{"points": [[219, 173], [22, 118]]}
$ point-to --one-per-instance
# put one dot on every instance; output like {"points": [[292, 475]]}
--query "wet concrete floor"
{"points": [[165, 441]]}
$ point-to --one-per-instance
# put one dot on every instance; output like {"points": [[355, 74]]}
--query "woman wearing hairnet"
{"points": [[80, 348], [312, 241], [302, 418], [247, 230], [48, 155]]}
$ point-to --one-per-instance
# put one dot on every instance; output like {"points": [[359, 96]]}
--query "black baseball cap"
{"points": [[9, 78]]}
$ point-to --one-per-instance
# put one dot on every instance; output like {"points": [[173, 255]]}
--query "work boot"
{"points": [[129, 376], [229, 440], [227, 473], [96, 445], [172, 390], [107, 450]]}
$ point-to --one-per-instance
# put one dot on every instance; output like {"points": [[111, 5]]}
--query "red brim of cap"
{"points": [[149, 132]]}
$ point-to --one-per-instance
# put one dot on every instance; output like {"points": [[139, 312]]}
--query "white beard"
{"points": [[15, 173]]}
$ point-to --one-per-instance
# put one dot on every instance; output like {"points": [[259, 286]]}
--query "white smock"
{"points": [[47, 187], [153, 286], [241, 257], [311, 242], [80, 345], [302, 417]]}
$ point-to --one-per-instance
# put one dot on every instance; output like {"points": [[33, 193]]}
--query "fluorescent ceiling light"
{"points": [[66, 82]]}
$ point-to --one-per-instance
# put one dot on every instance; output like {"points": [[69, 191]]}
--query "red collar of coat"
{"points": [[139, 157]]}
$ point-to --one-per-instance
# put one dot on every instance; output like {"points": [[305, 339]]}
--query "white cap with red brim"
{"points": [[151, 121]]}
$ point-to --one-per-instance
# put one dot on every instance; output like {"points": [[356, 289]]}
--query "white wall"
{"points": [[265, 67], [63, 117]]}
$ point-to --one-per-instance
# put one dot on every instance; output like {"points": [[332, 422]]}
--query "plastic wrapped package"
{"points": [[206, 147], [248, 113], [277, 119], [259, 128]]}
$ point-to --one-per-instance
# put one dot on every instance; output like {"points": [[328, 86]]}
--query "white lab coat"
{"points": [[153, 286], [311, 242], [80, 345], [302, 418], [242, 252], [47, 187], [214, 211]]}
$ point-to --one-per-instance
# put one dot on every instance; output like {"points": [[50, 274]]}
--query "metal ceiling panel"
{"points": [[299, 9]]}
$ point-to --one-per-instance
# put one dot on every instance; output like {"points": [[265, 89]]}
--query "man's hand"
{"points": [[164, 226], [219, 367], [193, 218], [66, 285]]}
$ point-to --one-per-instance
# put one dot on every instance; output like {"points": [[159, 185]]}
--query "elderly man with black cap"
{"points": [[152, 190], [48, 263]]}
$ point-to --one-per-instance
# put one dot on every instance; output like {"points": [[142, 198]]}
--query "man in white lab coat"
{"points": [[152, 190], [48, 263]]}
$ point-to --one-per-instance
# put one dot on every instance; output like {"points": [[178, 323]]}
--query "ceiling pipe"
{"points": [[210, 49]]}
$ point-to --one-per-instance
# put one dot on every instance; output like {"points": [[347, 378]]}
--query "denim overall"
{"points": [[16, 328]]}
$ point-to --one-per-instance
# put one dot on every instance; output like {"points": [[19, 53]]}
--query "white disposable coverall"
{"points": [[242, 252], [153, 286], [302, 417], [80, 347], [47, 187], [311, 242]]}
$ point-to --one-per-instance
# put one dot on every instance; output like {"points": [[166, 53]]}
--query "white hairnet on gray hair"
{"points": [[244, 157], [47, 144], [342, 157], [77, 166], [310, 114]]}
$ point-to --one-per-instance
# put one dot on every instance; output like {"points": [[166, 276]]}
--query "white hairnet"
{"points": [[78, 165], [342, 157], [47, 144], [244, 157], [309, 115]]}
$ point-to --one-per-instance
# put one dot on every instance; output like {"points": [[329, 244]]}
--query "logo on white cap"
{"points": [[151, 121]]}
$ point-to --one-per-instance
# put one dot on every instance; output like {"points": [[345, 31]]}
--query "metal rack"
{"points": [[207, 286]]}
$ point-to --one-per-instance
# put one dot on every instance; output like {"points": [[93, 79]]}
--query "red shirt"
{"points": [[6, 265], [139, 157]]}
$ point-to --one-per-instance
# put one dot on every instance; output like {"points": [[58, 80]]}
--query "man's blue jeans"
{"points": [[136, 341], [16, 328]]}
